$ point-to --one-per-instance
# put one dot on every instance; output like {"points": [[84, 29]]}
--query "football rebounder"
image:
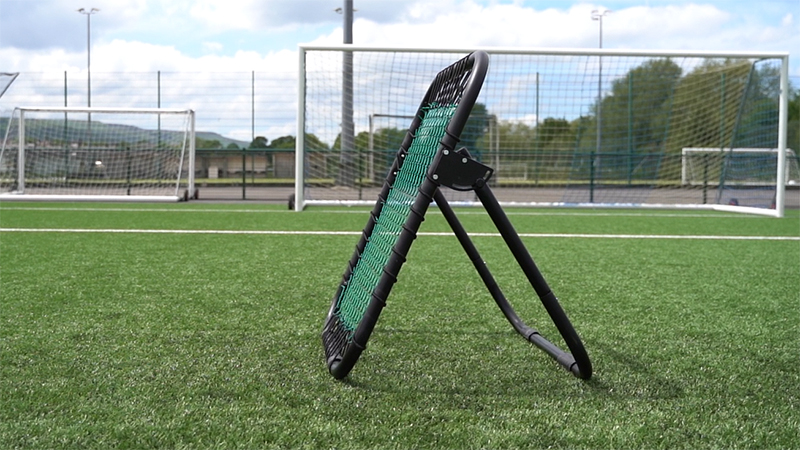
{"points": [[429, 159]]}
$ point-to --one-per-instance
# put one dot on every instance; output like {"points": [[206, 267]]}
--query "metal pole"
{"points": [[783, 112], [299, 159], [89, 60], [253, 106], [598, 15], [88, 15], [66, 130], [158, 100], [346, 171], [371, 149], [537, 152], [630, 128], [21, 154], [600, 87], [89, 75]]}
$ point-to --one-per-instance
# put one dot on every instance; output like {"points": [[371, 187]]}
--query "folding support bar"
{"points": [[582, 367]]}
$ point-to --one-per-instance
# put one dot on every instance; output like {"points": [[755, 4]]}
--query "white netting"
{"points": [[739, 176], [97, 152], [558, 128]]}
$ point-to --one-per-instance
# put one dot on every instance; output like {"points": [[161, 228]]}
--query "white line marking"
{"points": [[145, 231], [363, 210], [437, 234], [117, 209]]}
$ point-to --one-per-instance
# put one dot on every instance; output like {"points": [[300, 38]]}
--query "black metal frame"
{"points": [[577, 361], [459, 85]]}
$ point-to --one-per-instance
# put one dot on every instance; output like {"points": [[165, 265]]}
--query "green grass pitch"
{"points": [[136, 336]]}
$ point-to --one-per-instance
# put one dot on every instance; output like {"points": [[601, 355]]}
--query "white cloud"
{"points": [[200, 37], [509, 25], [221, 16], [212, 47], [670, 27], [187, 24]]}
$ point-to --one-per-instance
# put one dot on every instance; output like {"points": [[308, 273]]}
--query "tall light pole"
{"points": [[598, 16], [595, 164], [88, 14], [347, 173]]}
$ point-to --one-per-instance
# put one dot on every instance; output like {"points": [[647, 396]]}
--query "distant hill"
{"points": [[55, 130], [225, 141]]}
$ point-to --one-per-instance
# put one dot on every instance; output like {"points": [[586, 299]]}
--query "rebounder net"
{"points": [[353, 301], [401, 206], [357, 292]]}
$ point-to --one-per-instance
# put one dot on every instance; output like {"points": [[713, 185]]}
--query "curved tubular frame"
{"points": [[457, 85]]}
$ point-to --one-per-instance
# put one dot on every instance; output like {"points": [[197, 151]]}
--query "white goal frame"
{"points": [[188, 154], [299, 201]]}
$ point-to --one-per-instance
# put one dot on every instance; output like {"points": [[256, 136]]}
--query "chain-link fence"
{"points": [[234, 111]]}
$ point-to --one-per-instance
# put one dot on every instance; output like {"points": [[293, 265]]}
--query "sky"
{"points": [[169, 35], [202, 36]]}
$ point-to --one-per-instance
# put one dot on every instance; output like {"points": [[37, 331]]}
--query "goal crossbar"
{"points": [[552, 51], [99, 110]]}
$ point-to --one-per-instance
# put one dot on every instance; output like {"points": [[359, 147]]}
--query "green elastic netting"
{"points": [[355, 297]]}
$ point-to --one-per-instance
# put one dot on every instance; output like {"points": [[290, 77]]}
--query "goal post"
{"points": [[740, 177], [584, 128], [96, 154]]}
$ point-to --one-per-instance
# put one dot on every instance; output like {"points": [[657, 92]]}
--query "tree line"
{"points": [[287, 142], [654, 109]]}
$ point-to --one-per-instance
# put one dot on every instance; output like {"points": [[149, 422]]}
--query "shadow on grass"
{"points": [[500, 364], [624, 376]]}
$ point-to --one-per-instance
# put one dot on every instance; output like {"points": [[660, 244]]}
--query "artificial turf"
{"points": [[163, 340]]}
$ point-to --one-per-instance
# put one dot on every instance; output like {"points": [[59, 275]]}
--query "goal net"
{"points": [[97, 154], [739, 176], [588, 128], [6, 78]]}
